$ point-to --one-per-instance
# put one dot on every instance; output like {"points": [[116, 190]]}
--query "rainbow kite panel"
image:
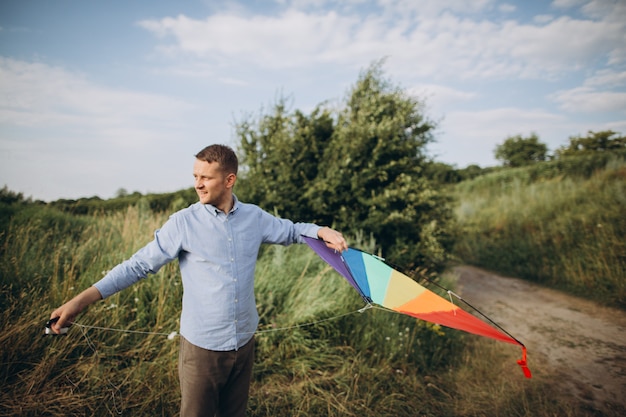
{"points": [[380, 284]]}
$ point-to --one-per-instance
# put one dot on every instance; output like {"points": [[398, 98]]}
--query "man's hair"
{"points": [[221, 154]]}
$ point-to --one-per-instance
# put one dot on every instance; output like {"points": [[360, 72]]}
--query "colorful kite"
{"points": [[380, 284]]}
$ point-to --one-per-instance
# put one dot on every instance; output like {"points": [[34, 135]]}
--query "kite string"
{"points": [[486, 317], [173, 334], [295, 326], [111, 329]]}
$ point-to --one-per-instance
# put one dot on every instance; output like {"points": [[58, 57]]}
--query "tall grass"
{"points": [[99, 372], [565, 231], [316, 354]]}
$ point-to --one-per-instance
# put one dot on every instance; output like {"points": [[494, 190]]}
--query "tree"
{"points": [[12, 197], [442, 173], [371, 176], [518, 151], [280, 153], [604, 141], [360, 168]]}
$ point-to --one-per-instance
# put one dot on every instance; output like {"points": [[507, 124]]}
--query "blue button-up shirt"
{"points": [[217, 254]]}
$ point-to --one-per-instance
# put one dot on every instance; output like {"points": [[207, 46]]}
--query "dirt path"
{"points": [[581, 344]]}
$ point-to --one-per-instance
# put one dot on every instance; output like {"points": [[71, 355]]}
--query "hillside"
{"points": [[558, 223]]}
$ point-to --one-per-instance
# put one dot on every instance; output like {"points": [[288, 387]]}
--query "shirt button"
{"points": [[236, 300]]}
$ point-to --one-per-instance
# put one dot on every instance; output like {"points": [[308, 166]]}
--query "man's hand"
{"points": [[68, 311], [333, 239]]}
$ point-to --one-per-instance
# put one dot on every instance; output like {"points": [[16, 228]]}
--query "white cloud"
{"points": [[87, 137], [616, 126], [495, 125], [607, 78], [609, 10], [507, 8], [567, 4], [434, 8], [439, 97], [292, 39], [563, 45], [419, 44], [470, 137], [543, 19], [588, 100], [35, 94]]}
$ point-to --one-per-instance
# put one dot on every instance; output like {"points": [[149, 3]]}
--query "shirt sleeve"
{"points": [[284, 231], [147, 260]]}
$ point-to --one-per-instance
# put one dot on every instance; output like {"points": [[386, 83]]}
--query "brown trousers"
{"points": [[214, 383]]}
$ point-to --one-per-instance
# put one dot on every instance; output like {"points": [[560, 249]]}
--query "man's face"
{"points": [[213, 185]]}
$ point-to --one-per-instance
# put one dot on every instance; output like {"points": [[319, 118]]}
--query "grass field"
{"points": [[316, 354]]}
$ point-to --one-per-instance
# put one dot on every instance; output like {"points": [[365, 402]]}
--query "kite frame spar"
{"points": [[380, 284]]}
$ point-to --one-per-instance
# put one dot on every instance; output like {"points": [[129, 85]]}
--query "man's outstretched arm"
{"points": [[68, 311]]}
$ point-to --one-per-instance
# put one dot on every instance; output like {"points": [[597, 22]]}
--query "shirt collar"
{"points": [[215, 211]]}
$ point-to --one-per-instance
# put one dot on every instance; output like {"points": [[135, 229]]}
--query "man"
{"points": [[216, 242]]}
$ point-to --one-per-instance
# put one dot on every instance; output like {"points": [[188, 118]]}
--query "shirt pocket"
{"points": [[248, 244]]}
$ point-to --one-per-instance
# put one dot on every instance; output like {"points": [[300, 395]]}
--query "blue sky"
{"points": [[98, 96]]}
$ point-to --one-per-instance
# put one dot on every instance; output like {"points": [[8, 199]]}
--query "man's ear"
{"points": [[231, 179]]}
